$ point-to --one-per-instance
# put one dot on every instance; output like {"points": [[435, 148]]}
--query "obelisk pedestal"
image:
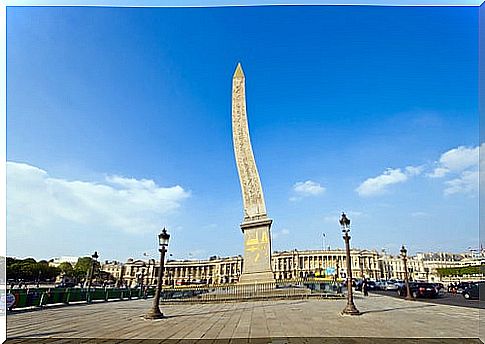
{"points": [[257, 251]]}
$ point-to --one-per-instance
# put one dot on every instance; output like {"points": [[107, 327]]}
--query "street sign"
{"points": [[330, 271], [10, 300]]}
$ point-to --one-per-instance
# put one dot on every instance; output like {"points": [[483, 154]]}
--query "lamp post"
{"points": [[141, 278], [404, 257], [170, 278], [426, 270], [337, 272], [155, 313], [38, 278], [361, 264], [350, 309], [91, 273]]}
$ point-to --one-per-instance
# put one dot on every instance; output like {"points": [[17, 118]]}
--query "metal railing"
{"points": [[257, 291], [295, 288], [39, 297]]}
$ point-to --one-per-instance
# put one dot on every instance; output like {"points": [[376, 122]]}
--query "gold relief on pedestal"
{"points": [[255, 244]]}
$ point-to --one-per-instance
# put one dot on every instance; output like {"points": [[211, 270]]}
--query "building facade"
{"points": [[65, 259], [424, 266], [325, 263], [215, 270], [289, 265]]}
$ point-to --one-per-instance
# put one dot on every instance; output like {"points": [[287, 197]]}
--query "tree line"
{"points": [[29, 270], [461, 271]]}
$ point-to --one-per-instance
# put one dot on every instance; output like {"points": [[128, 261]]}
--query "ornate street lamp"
{"points": [[141, 277], [155, 313], [38, 278], [404, 256], [337, 272], [91, 273], [361, 264], [350, 309]]}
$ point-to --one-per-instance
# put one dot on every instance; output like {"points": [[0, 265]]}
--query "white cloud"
{"points": [[461, 164], [305, 189], [41, 203], [378, 185], [467, 182], [419, 214], [456, 160], [414, 170], [438, 172]]}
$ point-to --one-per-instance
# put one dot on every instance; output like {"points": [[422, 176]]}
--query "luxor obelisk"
{"points": [[256, 224]]}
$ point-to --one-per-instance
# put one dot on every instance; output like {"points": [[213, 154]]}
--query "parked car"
{"points": [[66, 285], [440, 287], [391, 286], [473, 291], [419, 289], [371, 285], [381, 285], [460, 287]]}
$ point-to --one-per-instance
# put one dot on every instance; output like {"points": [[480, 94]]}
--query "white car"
{"points": [[391, 286]]}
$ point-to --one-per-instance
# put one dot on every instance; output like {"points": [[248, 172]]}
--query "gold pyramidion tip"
{"points": [[239, 72]]}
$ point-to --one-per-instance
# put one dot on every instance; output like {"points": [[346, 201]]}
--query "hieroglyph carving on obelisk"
{"points": [[253, 200], [256, 224]]}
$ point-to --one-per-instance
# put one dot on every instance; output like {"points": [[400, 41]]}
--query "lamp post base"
{"points": [[350, 310], [409, 298], [154, 314]]}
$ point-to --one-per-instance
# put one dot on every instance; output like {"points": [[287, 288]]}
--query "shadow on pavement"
{"points": [[396, 309], [226, 310]]}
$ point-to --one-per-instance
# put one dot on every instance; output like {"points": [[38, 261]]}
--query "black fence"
{"points": [[39, 297], [298, 288], [273, 290]]}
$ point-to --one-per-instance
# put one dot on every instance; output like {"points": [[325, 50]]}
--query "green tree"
{"points": [[66, 269], [21, 269], [29, 270], [460, 271], [46, 272], [83, 266]]}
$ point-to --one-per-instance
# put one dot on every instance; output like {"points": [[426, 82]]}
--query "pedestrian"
{"points": [[365, 287]]}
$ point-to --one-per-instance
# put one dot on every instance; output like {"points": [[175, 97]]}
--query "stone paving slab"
{"points": [[278, 322], [288, 340]]}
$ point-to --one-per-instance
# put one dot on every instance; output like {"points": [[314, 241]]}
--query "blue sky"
{"points": [[119, 122]]}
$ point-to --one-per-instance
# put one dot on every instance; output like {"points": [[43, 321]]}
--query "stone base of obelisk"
{"points": [[257, 251]]}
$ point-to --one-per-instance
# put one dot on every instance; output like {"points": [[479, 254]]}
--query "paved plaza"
{"points": [[383, 317]]}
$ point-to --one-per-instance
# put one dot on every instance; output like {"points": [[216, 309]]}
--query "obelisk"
{"points": [[256, 224]]}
